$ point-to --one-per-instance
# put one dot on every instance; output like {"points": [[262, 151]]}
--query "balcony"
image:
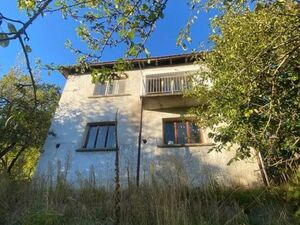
{"points": [[167, 84], [166, 91]]}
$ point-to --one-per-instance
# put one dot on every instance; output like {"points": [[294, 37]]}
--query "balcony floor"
{"points": [[167, 100]]}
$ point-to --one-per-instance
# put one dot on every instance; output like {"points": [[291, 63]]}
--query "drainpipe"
{"points": [[139, 147], [140, 131]]}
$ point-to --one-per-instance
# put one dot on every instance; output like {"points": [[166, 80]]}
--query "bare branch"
{"points": [[25, 26], [68, 6], [11, 20], [29, 70]]}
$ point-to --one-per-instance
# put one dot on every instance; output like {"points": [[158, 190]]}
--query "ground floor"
{"points": [[172, 149]]}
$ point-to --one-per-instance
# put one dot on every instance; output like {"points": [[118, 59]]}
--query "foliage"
{"points": [[101, 24], [116, 72], [23, 126], [251, 93], [112, 23], [293, 193]]}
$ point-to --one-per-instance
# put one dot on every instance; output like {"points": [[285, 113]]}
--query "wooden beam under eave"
{"points": [[65, 72]]}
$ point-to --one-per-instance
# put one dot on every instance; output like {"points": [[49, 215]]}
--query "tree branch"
{"points": [[11, 20], [18, 35], [25, 25], [7, 149], [30, 71], [68, 6], [14, 160]]}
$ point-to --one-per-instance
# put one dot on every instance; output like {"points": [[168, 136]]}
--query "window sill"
{"points": [[185, 145], [96, 150], [107, 96]]}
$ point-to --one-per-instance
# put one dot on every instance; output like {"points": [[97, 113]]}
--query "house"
{"points": [[155, 138]]}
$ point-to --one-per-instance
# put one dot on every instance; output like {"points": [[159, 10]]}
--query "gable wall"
{"points": [[76, 109]]}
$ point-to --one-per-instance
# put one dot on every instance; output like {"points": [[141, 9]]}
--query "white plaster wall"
{"points": [[76, 109], [193, 163]]}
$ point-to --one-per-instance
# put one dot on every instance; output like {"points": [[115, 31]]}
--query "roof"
{"points": [[137, 63]]}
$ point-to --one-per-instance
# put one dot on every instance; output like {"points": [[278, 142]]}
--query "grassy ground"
{"points": [[35, 203]]}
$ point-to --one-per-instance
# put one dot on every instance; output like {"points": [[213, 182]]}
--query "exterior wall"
{"points": [[77, 107], [191, 164]]}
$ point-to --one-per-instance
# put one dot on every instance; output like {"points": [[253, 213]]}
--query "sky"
{"points": [[48, 35]]}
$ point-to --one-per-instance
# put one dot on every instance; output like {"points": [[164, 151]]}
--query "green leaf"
{"points": [[3, 43], [189, 39], [147, 52], [28, 49], [152, 16], [11, 28], [131, 34], [144, 7], [259, 6], [132, 51]]}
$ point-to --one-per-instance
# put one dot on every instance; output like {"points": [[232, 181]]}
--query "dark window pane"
{"points": [[110, 88], [181, 132], [111, 138], [100, 89], [194, 133], [169, 133], [91, 137], [101, 137]]}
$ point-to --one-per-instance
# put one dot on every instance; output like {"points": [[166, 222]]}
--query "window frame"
{"points": [[115, 86], [87, 136], [186, 121]]}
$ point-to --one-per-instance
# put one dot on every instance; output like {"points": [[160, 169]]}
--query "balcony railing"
{"points": [[166, 84]]}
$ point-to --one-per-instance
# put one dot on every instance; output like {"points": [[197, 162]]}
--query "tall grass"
{"points": [[42, 203]]}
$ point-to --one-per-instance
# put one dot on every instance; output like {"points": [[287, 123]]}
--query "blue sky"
{"points": [[48, 35]]}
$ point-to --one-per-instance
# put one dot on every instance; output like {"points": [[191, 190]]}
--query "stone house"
{"points": [[155, 138]]}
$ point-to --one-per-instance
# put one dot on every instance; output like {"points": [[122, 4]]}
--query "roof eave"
{"points": [[137, 63]]}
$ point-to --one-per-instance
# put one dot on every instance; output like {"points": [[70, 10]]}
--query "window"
{"points": [[114, 87], [181, 132], [100, 136]]}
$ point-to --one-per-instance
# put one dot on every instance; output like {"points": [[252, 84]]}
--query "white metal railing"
{"points": [[165, 84]]}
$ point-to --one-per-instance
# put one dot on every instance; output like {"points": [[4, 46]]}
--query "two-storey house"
{"points": [[155, 137]]}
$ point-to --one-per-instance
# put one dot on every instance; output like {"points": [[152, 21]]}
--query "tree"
{"points": [[254, 64], [23, 125], [251, 93], [102, 24]]}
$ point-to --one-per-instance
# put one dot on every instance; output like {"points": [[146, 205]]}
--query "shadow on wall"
{"points": [[169, 166], [67, 134], [192, 166], [186, 167]]}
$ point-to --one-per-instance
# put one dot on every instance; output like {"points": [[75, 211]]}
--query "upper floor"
{"points": [[159, 82]]}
